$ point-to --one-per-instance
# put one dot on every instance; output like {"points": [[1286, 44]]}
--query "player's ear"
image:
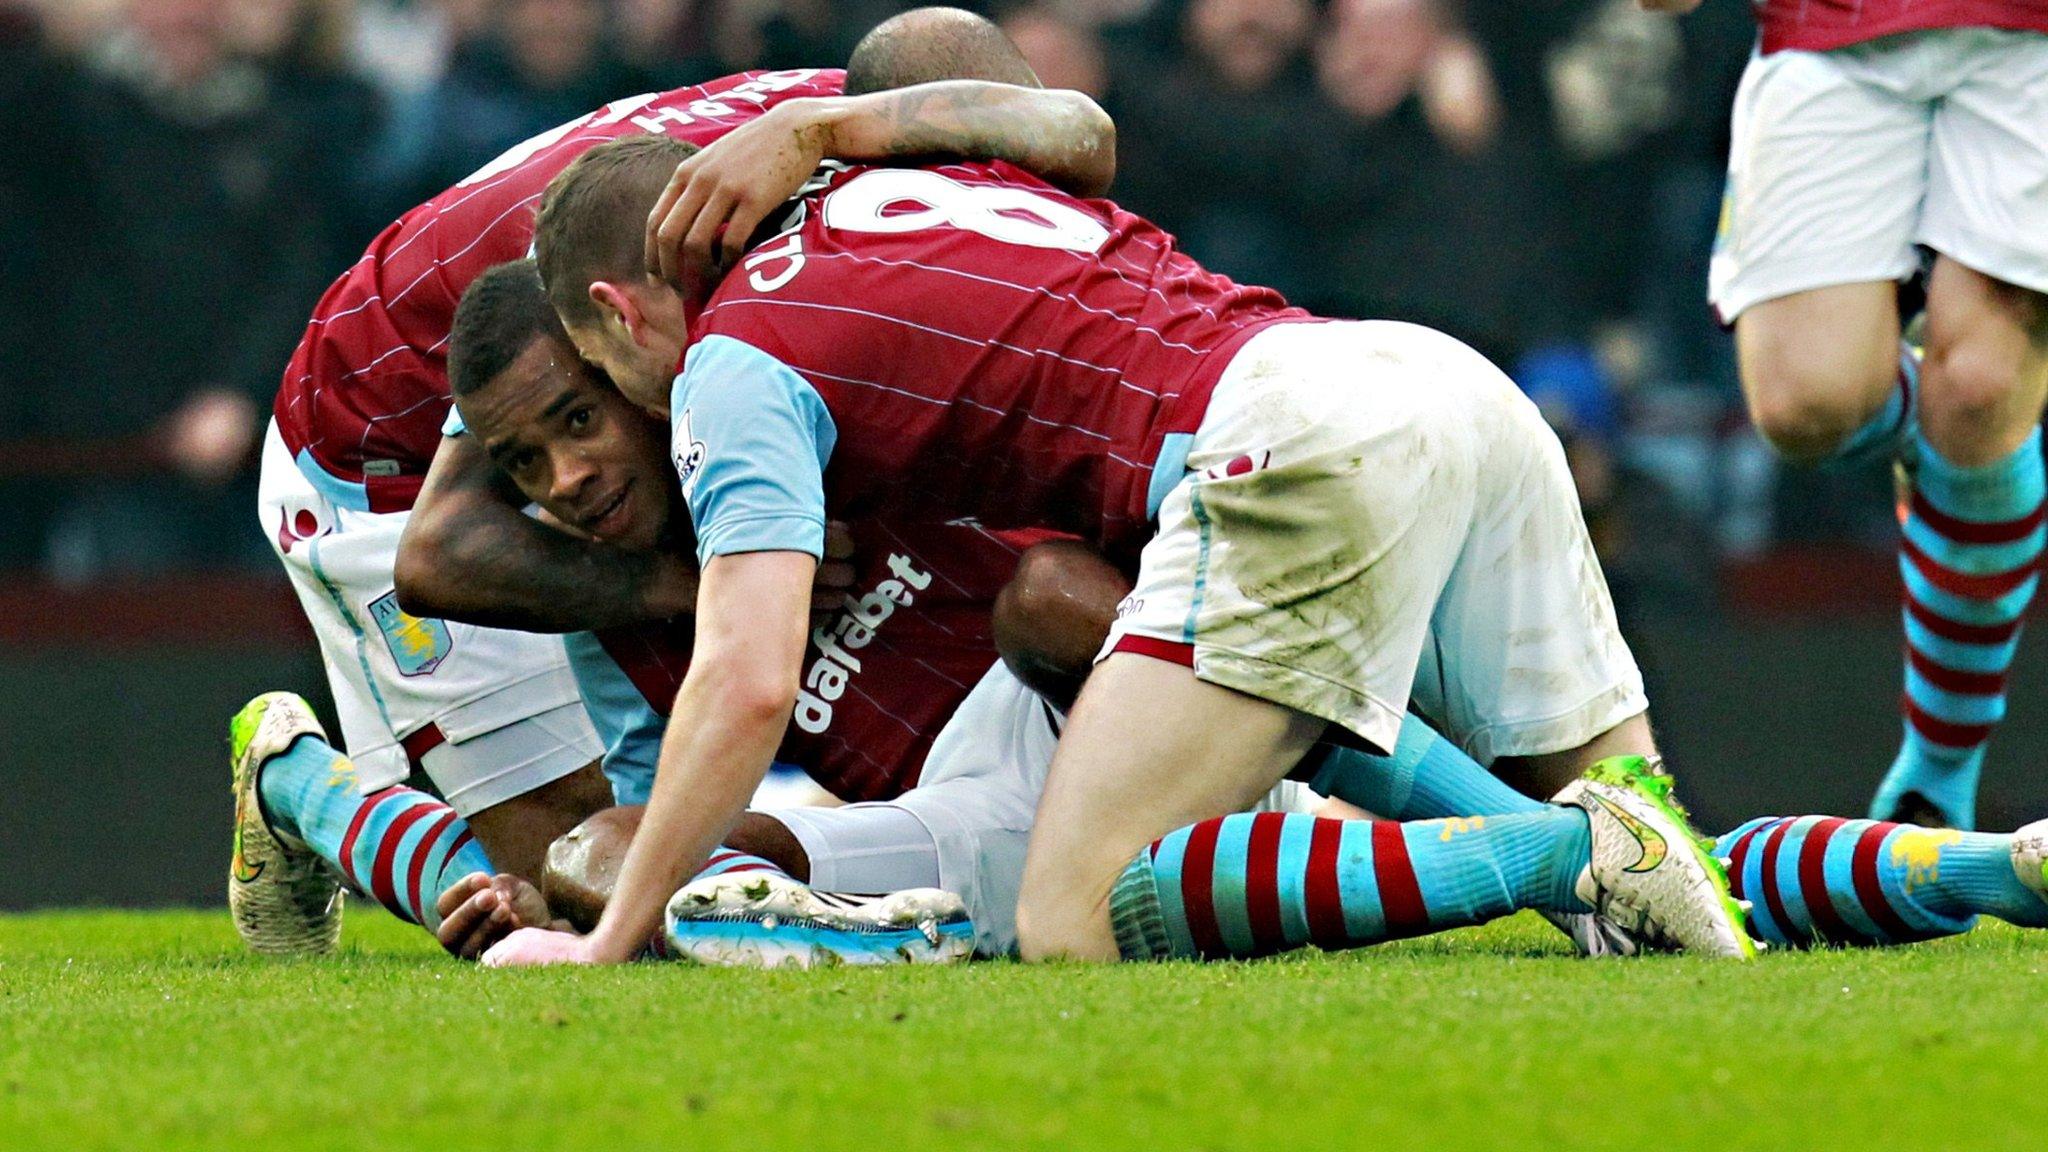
{"points": [[621, 311]]}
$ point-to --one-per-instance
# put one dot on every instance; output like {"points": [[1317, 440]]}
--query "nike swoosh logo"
{"points": [[1648, 839], [239, 870]]}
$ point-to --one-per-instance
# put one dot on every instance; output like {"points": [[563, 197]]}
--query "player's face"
{"points": [[638, 375], [638, 342], [575, 446]]}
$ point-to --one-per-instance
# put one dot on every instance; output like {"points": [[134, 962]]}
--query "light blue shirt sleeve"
{"points": [[751, 439], [630, 729], [453, 425]]}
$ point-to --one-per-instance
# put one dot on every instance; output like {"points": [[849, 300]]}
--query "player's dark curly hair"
{"points": [[593, 219], [502, 313]]}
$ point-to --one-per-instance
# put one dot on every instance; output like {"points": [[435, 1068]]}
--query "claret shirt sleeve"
{"points": [[750, 441]]}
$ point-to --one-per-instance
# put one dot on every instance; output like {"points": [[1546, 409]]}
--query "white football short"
{"points": [[965, 826], [1361, 496], [1842, 162], [488, 714]]}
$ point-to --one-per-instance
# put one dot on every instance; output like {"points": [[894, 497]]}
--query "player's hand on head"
{"points": [[700, 226], [481, 909], [536, 947]]}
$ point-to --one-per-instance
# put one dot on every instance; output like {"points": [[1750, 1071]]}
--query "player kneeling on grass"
{"points": [[961, 808], [437, 664], [1368, 483]]}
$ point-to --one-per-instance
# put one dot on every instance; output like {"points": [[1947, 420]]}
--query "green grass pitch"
{"points": [[156, 1031]]}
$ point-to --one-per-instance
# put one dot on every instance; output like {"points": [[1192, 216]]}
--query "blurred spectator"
{"points": [[178, 178], [205, 249], [303, 47], [544, 62], [1063, 53], [1212, 136]]}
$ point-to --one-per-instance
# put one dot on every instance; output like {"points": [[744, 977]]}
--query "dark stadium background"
{"points": [[180, 178]]}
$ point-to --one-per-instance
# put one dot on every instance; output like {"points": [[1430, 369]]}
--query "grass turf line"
{"points": [[156, 1031]]}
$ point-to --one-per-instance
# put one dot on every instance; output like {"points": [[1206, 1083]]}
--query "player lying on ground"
{"points": [[570, 439], [489, 714], [1861, 138], [968, 341]]}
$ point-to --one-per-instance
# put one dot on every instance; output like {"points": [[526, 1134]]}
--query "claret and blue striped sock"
{"points": [[1253, 884], [399, 846], [1427, 777], [1970, 558], [1824, 880]]}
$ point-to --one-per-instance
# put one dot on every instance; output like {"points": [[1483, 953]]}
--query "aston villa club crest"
{"points": [[417, 645]]}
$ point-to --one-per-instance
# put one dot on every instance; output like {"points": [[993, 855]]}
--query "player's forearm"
{"points": [[727, 720], [488, 564], [1062, 136], [714, 756]]}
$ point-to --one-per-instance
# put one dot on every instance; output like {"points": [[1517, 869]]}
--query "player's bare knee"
{"points": [[1040, 935], [1977, 405], [1808, 415]]}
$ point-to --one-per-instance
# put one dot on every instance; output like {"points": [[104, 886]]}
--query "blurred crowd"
{"points": [[179, 179]]}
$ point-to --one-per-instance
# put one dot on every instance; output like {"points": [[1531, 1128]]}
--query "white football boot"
{"points": [[2030, 856], [1650, 874], [1594, 935], [284, 899], [767, 920]]}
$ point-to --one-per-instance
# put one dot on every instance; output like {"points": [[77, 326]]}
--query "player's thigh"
{"points": [[1826, 171], [1527, 651], [1818, 363], [1332, 485], [1149, 748], [1987, 182]]}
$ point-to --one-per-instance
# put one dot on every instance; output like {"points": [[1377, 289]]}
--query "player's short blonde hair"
{"points": [[593, 219]]}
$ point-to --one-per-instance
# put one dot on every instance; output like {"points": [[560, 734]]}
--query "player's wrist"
{"points": [[823, 125]]}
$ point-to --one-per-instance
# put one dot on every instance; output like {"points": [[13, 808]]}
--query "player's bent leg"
{"points": [[1972, 539], [1548, 773], [517, 832], [302, 820], [1817, 880], [1246, 886], [582, 866], [1820, 366], [1426, 777], [1986, 370], [1148, 749]]}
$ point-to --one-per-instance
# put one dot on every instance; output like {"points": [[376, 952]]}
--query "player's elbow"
{"points": [[757, 696], [1095, 167], [424, 575]]}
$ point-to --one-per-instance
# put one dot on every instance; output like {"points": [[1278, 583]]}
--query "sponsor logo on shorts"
{"points": [[1238, 466], [826, 680], [417, 645]]}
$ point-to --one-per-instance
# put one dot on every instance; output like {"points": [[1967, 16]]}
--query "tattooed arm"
{"points": [[469, 553], [719, 196]]}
